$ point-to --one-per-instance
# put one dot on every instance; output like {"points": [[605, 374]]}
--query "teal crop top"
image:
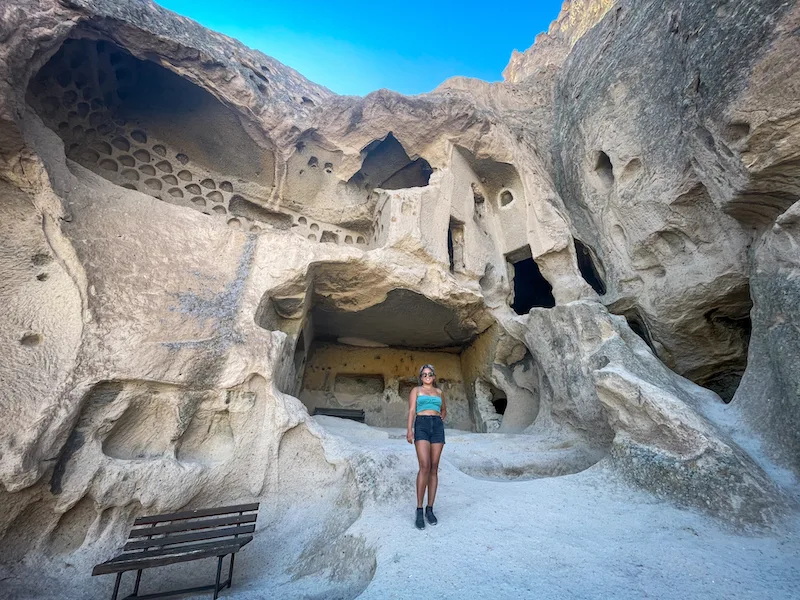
{"points": [[429, 403]]}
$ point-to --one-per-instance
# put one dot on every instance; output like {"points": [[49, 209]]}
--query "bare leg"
{"points": [[433, 476], [424, 457]]}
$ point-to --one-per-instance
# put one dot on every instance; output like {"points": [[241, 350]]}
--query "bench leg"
{"points": [[219, 572], [230, 571], [116, 586], [136, 586]]}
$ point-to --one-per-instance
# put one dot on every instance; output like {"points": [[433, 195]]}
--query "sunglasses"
{"points": [[427, 375]]}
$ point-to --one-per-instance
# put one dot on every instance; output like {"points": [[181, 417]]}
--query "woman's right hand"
{"points": [[410, 436]]}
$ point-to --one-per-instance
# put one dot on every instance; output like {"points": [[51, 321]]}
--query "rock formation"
{"points": [[199, 246]]}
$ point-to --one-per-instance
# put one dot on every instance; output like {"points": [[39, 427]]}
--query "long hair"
{"points": [[422, 368]]}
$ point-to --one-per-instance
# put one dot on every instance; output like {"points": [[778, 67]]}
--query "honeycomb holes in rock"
{"points": [[110, 90]]}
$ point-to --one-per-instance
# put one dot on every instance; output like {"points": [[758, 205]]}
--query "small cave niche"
{"points": [[639, 327], [499, 400], [531, 289], [386, 165], [405, 385], [144, 431], [733, 326], [455, 245], [479, 202], [497, 181], [604, 168], [478, 197], [357, 386], [241, 207], [588, 266], [725, 384]]}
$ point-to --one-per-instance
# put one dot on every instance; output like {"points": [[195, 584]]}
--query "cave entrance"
{"points": [[369, 359], [733, 324], [531, 289], [587, 265], [499, 401], [388, 166], [455, 245]]}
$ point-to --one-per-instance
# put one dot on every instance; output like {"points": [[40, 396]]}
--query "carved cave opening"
{"points": [[143, 127], [499, 401], [732, 326], [531, 289], [455, 245], [505, 397], [498, 182], [369, 358], [588, 266], [386, 165]]}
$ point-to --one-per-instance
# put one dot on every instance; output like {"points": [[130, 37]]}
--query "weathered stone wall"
{"points": [[379, 380], [163, 291]]}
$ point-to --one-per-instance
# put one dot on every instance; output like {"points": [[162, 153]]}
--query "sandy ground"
{"points": [[505, 531], [585, 535]]}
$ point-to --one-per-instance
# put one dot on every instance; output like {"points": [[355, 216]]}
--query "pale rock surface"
{"points": [[200, 247]]}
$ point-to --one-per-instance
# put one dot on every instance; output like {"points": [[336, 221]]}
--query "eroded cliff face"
{"points": [[552, 46], [195, 236]]}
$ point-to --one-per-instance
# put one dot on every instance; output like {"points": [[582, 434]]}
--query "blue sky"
{"points": [[357, 47]]}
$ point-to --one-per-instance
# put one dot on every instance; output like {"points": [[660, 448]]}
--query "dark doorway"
{"points": [[588, 268], [499, 401], [455, 245], [531, 289]]}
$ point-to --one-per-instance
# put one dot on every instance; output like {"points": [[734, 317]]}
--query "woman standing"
{"points": [[426, 412]]}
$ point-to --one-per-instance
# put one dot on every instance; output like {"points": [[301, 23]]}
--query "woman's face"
{"points": [[427, 376]]}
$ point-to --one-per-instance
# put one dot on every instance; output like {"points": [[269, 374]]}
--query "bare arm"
{"points": [[443, 412], [412, 411]]}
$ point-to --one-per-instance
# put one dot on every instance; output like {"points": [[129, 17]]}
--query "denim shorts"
{"points": [[429, 428]]}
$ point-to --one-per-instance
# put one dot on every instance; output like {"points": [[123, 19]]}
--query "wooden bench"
{"points": [[160, 540], [354, 414]]}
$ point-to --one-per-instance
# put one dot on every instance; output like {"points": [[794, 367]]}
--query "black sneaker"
{"points": [[430, 516], [420, 519]]}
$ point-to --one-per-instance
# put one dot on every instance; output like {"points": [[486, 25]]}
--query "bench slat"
{"points": [[190, 537], [138, 560], [138, 532], [194, 514], [354, 414], [178, 550]]}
